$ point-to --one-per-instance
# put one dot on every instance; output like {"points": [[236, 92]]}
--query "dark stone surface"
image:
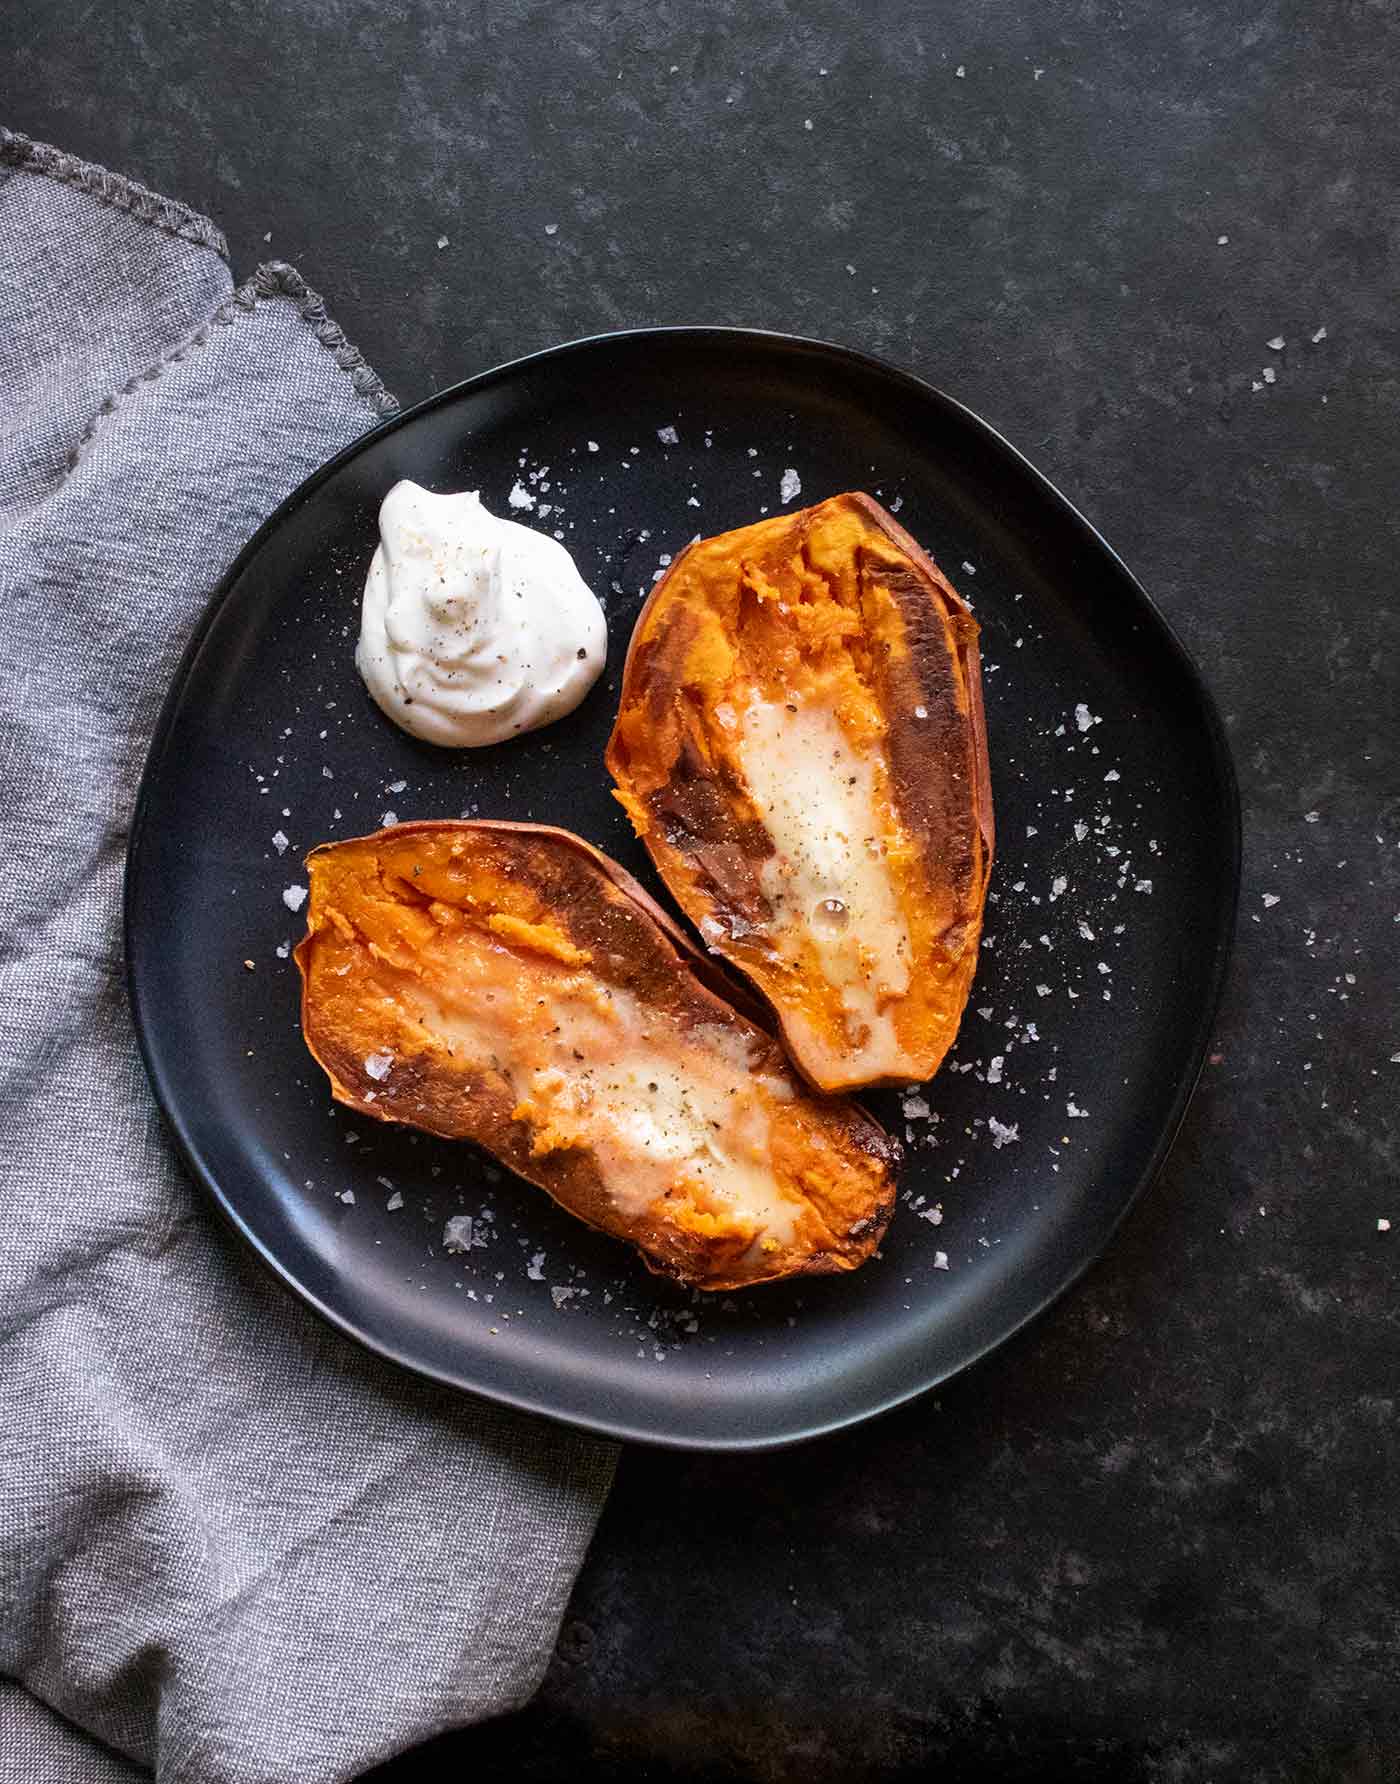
{"points": [[1153, 1539]]}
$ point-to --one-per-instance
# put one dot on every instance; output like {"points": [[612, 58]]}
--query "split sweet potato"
{"points": [[509, 985], [801, 747]]}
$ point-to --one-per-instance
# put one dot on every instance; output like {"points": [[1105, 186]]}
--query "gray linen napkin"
{"points": [[232, 1546]]}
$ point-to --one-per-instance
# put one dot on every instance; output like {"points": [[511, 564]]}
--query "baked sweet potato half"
{"points": [[508, 984], [801, 747]]}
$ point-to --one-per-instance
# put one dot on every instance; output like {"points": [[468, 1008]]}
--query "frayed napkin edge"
{"points": [[25, 155]]}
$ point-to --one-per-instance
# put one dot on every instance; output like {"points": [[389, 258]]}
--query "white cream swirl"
{"points": [[473, 628]]}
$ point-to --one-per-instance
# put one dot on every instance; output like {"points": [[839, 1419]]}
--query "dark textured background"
{"points": [[1155, 1538]]}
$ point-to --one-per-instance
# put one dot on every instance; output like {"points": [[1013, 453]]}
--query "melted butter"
{"points": [[828, 880], [663, 1112]]}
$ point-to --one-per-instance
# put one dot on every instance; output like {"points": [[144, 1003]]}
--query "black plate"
{"points": [[268, 729]]}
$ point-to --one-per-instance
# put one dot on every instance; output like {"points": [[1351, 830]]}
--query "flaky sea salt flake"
{"points": [[457, 1234]]}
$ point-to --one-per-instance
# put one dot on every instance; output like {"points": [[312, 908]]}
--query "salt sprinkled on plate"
{"points": [[940, 1260], [995, 1067], [348, 1196], [396, 786], [1321, 335], [442, 241], [389, 819], [1382, 1224], [1002, 1132], [294, 897], [1074, 1110], [551, 229], [1142, 885], [519, 496], [562, 1296], [790, 486], [1270, 900], [1084, 718], [1058, 885], [395, 1201], [283, 949], [668, 436], [1276, 345], [379, 1065], [535, 1268], [280, 842]]}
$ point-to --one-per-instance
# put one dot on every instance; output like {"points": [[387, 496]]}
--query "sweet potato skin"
{"points": [[913, 645], [385, 914]]}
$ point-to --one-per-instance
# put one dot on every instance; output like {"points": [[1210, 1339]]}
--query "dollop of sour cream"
{"points": [[473, 628]]}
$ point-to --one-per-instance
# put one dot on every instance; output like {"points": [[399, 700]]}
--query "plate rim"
{"points": [[1221, 947]]}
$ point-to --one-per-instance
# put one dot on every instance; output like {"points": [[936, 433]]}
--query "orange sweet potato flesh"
{"points": [[801, 746], [509, 985]]}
